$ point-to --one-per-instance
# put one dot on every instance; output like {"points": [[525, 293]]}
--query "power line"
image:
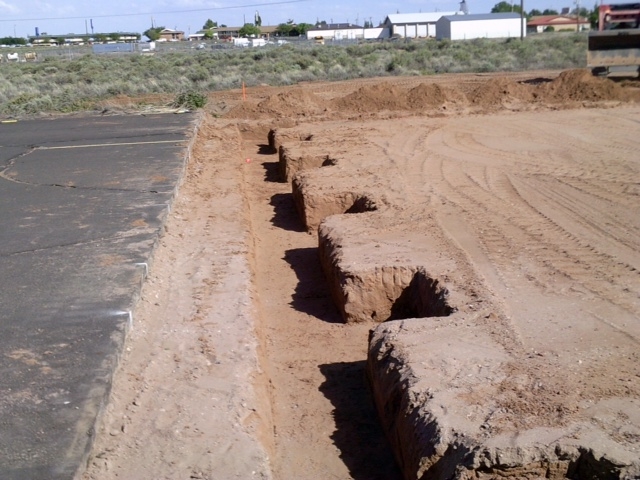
{"points": [[249, 5]]}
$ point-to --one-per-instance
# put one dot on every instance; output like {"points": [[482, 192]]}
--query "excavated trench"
{"points": [[423, 297], [313, 206], [296, 158], [382, 292], [412, 397]]}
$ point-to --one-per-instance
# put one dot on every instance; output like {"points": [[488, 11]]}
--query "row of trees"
{"points": [[289, 29], [12, 41]]}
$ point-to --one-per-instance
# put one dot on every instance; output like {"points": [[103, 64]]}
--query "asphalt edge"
{"points": [[113, 361]]}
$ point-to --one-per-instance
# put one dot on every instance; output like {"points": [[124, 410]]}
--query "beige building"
{"points": [[168, 35], [558, 23]]}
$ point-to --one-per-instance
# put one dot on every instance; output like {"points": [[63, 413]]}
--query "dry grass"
{"points": [[58, 84]]}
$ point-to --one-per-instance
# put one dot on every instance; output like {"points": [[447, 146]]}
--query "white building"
{"points": [[414, 25], [241, 42], [485, 25], [346, 31]]}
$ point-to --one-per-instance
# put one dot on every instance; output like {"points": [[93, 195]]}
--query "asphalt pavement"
{"points": [[82, 203]]}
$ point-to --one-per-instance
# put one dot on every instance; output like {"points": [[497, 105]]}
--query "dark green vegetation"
{"points": [[63, 85], [12, 41]]}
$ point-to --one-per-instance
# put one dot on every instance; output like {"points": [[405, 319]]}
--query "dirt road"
{"points": [[522, 189]]}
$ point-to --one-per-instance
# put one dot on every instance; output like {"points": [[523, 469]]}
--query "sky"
{"points": [[21, 17]]}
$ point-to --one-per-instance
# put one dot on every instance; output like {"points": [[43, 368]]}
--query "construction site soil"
{"points": [[417, 277]]}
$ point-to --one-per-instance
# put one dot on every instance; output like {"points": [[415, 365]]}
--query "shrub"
{"points": [[68, 84], [190, 99]]}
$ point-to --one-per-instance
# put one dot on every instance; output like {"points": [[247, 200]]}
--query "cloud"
{"points": [[4, 6]]}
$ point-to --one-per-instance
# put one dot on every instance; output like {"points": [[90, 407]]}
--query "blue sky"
{"points": [[74, 16]]}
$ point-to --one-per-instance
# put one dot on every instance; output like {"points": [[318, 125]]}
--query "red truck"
{"points": [[616, 43]]}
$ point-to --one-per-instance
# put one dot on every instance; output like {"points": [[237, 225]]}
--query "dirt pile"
{"points": [[432, 95], [291, 104], [501, 92], [496, 91], [581, 85], [373, 98]]}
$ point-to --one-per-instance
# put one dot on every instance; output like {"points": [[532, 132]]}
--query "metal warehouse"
{"points": [[414, 25], [486, 25]]}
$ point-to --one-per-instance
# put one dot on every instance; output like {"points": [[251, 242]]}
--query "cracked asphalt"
{"points": [[82, 203]]}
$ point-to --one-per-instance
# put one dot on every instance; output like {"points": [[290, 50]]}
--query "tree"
{"points": [[284, 29], [114, 36], [549, 11], [12, 41], [302, 29], [153, 33], [594, 16], [249, 30], [582, 12], [209, 24], [505, 7], [100, 37], [368, 24], [535, 13]]}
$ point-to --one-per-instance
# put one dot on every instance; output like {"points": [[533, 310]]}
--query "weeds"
{"points": [[191, 100], [64, 85]]}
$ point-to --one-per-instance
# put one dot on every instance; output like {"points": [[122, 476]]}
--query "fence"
{"points": [[69, 52]]}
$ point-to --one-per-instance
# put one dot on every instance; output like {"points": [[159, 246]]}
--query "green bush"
{"points": [[190, 99]]}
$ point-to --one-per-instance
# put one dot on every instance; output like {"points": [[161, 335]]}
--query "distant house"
{"points": [[484, 25], [558, 23], [267, 31], [82, 38], [227, 33], [414, 25], [201, 34], [168, 35]]}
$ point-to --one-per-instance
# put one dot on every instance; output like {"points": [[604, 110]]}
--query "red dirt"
{"points": [[524, 187]]}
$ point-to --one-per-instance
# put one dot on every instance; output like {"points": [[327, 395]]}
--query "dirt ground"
{"points": [[239, 364]]}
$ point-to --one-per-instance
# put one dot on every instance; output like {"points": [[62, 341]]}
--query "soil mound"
{"points": [[497, 91], [432, 96], [580, 85], [285, 104], [373, 98], [292, 103], [246, 110]]}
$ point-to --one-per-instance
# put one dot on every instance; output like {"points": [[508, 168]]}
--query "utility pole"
{"points": [[522, 20]]}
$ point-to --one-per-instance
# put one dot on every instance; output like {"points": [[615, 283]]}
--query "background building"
{"points": [[558, 23], [484, 25], [168, 35], [347, 31], [414, 25]]}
